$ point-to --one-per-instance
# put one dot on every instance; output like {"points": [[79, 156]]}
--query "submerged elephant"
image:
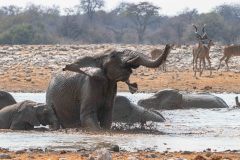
{"points": [[6, 99], [85, 95], [125, 111], [173, 99], [25, 115]]}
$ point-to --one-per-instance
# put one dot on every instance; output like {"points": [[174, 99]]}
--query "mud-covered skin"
{"points": [[6, 99], [128, 112], [85, 98], [173, 99], [25, 115]]}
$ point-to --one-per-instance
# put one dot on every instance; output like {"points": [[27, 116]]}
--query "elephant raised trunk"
{"points": [[89, 96], [143, 60]]}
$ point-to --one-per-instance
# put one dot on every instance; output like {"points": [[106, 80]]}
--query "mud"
{"points": [[189, 129]]}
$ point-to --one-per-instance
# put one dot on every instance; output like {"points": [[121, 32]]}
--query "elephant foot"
{"points": [[90, 124], [54, 127]]}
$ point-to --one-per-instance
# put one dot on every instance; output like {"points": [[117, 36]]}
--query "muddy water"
{"points": [[193, 130]]}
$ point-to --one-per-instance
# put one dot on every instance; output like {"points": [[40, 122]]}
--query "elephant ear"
{"points": [[27, 114], [87, 65]]}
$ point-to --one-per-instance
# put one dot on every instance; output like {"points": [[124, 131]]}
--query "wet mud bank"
{"points": [[191, 130], [127, 142]]}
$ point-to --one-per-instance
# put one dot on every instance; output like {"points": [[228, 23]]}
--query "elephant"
{"points": [[128, 112], [83, 95], [172, 99], [6, 99], [27, 114]]}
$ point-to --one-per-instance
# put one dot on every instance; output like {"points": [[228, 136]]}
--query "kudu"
{"points": [[156, 53], [201, 51], [229, 51]]}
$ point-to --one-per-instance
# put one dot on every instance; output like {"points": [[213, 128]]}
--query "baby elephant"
{"points": [[27, 114]]}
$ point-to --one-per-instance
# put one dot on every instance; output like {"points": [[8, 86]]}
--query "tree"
{"points": [[142, 15], [119, 22], [181, 22], [21, 34], [231, 15], [215, 26], [229, 12], [90, 6], [24, 34], [70, 27], [10, 10]]}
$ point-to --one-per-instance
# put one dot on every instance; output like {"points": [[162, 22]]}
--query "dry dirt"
{"points": [[142, 155], [28, 68], [15, 80]]}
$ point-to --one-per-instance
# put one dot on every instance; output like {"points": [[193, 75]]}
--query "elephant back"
{"points": [[203, 100], [6, 99], [63, 95], [121, 109]]}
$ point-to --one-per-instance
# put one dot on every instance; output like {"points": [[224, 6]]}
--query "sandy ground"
{"points": [[28, 68], [142, 155], [148, 80], [21, 76]]}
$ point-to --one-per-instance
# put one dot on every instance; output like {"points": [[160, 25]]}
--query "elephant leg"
{"points": [[106, 118], [89, 120], [54, 126], [88, 117], [106, 114]]}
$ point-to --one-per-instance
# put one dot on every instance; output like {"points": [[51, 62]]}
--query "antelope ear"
{"points": [[87, 66]]}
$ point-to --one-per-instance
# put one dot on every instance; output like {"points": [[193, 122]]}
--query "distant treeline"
{"points": [[127, 23]]}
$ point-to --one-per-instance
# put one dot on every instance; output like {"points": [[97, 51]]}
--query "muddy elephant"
{"points": [[25, 115], [128, 112], [6, 99], [173, 99], [84, 94]]}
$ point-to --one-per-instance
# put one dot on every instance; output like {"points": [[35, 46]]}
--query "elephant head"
{"points": [[164, 99], [115, 65], [28, 114], [46, 116], [25, 118]]}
